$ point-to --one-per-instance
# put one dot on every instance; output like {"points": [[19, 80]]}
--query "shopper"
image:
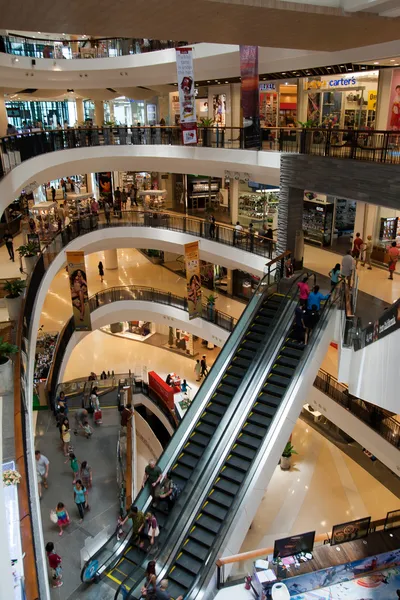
{"points": [[311, 318], [107, 212], [62, 403], [124, 198], [164, 491], [138, 523], [65, 436], [367, 252], [101, 271], [334, 274], [150, 575], [62, 517], [134, 193], [304, 291], [74, 464], [80, 498], [42, 471], [86, 474], [8, 239], [393, 258], [53, 193], [55, 565], [197, 370], [300, 326], [161, 592], [357, 244], [153, 530], [60, 416], [315, 298], [212, 226], [152, 475], [81, 415], [203, 364], [347, 266], [126, 414], [237, 233], [185, 386]]}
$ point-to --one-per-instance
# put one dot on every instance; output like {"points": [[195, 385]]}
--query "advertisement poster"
{"points": [[393, 122], [250, 96], [187, 96], [219, 109], [79, 290], [104, 183], [353, 530], [193, 280], [387, 323]]}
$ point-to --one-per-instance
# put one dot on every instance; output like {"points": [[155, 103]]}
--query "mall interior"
{"points": [[200, 300]]}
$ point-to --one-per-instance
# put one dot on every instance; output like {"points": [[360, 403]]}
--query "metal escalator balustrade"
{"points": [[205, 528], [208, 409]]}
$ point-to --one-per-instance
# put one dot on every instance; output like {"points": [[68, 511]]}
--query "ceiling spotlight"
{"points": [[376, 63], [392, 59], [208, 81], [286, 83], [226, 81], [39, 32], [396, 64]]}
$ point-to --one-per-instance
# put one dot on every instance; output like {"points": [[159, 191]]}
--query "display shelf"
{"points": [[258, 207], [317, 222], [388, 229]]}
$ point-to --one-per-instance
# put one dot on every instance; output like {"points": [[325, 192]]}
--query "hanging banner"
{"points": [[187, 96], [386, 324], [193, 280], [104, 183], [393, 122], [79, 290], [250, 96]]}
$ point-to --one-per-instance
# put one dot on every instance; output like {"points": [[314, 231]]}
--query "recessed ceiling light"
{"points": [[376, 63], [39, 32], [208, 81], [396, 64], [342, 66], [226, 81], [284, 73], [329, 68], [219, 83], [363, 67]]}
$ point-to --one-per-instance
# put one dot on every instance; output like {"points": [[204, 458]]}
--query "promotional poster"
{"points": [[104, 183], [393, 122], [187, 96], [250, 96], [193, 280], [79, 290]]}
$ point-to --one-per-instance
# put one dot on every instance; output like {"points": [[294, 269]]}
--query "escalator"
{"points": [[195, 552], [192, 447]]}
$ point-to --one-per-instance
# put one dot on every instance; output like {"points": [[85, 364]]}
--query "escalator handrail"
{"points": [[195, 409], [199, 581], [271, 350]]}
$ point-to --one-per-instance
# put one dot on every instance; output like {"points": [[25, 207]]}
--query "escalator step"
{"points": [[248, 347], [278, 379], [194, 449], [267, 399], [243, 363], [267, 313], [291, 343], [256, 338], [255, 430], [238, 463], [227, 390], [232, 381], [259, 418], [291, 352], [182, 472], [187, 460], [135, 554], [189, 562], [248, 440], [214, 510], [232, 474], [205, 429], [206, 538], [221, 498], [282, 370], [180, 576], [175, 589], [216, 409], [236, 371], [199, 438], [192, 547], [181, 481], [226, 486], [161, 517], [275, 390], [287, 361], [258, 328], [246, 354], [208, 523], [211, 419], [222, 399], [243, 451]]}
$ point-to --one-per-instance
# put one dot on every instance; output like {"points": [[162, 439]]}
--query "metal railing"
{"points": [[377, 419], [376, 146], [84, 47]]}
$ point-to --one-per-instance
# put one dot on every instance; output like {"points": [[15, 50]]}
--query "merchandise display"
{"points": [[317, 222], [153, 199], [258, 207], [132, 330], [79, 206], [388, 229], [345, 215], [202, 192]]}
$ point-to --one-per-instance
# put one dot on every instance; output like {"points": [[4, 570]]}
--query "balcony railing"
{"points": [[375, 146], [84, 47]]}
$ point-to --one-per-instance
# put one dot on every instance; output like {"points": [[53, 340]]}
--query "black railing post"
{"points": [[328, 142], [201, 229], [217, 232], [281, 139]]}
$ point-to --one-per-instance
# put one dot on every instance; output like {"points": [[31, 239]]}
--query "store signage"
{"points": [[323, 84], [187, 96], [372, 97], [193, 279], [79, 290], [386, 324], [341, 82], [267, 87]]}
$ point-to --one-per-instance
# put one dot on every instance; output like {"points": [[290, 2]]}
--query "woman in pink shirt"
{"points": [[393, 258], [304, 291]]}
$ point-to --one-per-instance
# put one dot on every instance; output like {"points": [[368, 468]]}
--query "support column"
{"points": [[229, 281], [80, 115], [290, 218], [99, 113], [234, 200], [89, 183], [110, 259], [360, 219], [3, 117]]}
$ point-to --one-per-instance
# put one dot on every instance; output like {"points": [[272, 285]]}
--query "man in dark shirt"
{"points": [[8, 238], [126, 414], [152, 474], [161, 592]]}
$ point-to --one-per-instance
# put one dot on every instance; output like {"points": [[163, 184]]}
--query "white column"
{"points": [[110, 259], [229, 281], [302, 99], [234, 200], [98, 113], [80, 115], [236, 118], [3, 117], [89, 182]]}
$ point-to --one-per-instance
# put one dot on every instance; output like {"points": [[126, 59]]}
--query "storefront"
{"points": [[344, 101], [385, 231], [278, 104], [41, 114], [244, 284], [258, 204], [327, 220], [139, 331]]}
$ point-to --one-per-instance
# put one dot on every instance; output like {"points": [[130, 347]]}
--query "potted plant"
{"points": [[29, 253], [211, 299], [14, 289], [6, 370], [206, 124], [286, 456]]}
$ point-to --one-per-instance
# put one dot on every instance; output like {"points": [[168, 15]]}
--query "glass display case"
{"points": [[317, 222], [388, 229], [258, 207]]}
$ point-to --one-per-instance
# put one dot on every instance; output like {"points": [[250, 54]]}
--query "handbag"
{"points": [[53, 516]]}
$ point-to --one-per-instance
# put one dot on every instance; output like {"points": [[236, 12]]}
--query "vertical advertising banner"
{"points": [[393, 122], [79, 290], [104, 183], [187, 98], [193, 279], [250, 96]]}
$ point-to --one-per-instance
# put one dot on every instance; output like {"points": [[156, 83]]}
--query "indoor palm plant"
{"points": [[211, 299], [206, 125], [6, 371], [286, 456], [15, 289], [29, 253]]}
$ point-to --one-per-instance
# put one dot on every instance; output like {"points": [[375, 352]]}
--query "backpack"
{"points": [[176, 491]]}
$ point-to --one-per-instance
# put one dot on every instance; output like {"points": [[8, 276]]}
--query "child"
{"points": [[87, 429], [62, 517], [55, 565], [73, 462]]}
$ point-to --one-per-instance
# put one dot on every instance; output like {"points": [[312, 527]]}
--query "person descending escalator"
{"points": [[138, 523]]}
